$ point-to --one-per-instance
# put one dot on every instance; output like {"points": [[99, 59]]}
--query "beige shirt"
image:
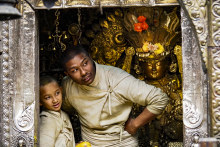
{"points": [[56, 130], [104, 106]]}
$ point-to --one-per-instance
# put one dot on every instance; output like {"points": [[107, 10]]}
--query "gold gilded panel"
{"points": [[214, 63], [165, 1], [78, 2], [136, 1], [107, 2]]}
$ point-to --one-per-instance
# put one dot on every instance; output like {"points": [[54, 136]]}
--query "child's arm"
{"points": [[47, 132]]}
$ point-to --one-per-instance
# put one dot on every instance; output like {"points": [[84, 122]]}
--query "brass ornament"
{"points": [[107, 2], [165, 1], [110, 43], [78, 2], [130, 52], [135, 2], [215, 96], [178, 53]]}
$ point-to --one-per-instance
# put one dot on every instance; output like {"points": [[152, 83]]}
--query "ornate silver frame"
{"points": [[19, 69]]}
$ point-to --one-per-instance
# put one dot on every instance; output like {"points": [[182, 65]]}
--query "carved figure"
{"points": [[110, 43], [153, 33]]}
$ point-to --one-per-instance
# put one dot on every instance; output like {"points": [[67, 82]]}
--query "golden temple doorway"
{"points": [[167, 47], [144, 41]]}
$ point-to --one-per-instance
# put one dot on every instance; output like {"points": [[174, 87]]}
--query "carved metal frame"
{"points": [[19, 76], [19, 69]]}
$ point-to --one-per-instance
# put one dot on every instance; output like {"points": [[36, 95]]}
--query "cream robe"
{"points": [[104, 106], [56, 130]]}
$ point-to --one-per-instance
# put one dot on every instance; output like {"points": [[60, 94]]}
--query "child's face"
{"points": [[51, 96]]}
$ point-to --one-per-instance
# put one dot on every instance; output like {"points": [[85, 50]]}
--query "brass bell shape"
{"points": [[8, 11]]}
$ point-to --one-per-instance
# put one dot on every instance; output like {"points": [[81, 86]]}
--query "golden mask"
{"points": [[154, 69]]}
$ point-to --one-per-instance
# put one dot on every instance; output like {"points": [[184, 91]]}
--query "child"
{"points": [[55, 127]]}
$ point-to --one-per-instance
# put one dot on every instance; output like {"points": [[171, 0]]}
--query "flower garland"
{"points": [[151, 49], [141, 25]]}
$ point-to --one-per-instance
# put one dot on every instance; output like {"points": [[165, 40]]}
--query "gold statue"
{"points": [[153, 33], [108, 46], [168, 125]]}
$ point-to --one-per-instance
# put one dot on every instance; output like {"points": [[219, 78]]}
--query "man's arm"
{"points": [[132, 125]]}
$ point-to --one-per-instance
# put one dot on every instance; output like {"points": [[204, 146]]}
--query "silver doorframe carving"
{"points": [[19, 73], [19, 76]]}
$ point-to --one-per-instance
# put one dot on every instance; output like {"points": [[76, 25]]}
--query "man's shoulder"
{"points": [[67, 81], [114, 73], [66, 78], [112, 69]]}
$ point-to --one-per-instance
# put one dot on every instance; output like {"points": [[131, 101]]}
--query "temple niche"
{"points": [[144, 41]]}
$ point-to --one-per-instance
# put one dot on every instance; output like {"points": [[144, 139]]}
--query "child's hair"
{"points": [[44, 80]]}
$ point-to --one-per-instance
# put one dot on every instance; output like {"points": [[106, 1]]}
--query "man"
{"points": [[103, 97]]}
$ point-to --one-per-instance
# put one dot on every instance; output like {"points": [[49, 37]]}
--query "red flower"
{"points": [[144, 26], [141, 19], [138, 27]]}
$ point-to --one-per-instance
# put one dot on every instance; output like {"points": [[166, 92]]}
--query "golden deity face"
{"points": [[154, 69]]}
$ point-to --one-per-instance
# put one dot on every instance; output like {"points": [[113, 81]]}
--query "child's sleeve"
{"points": [[48, 132]]}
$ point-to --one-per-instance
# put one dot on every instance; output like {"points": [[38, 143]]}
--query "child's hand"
{"points": [[83, 144]]}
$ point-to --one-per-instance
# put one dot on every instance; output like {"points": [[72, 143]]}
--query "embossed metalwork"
{"points": [[194, 85], [195, 124], [25, 120], [135, 2], [38, 4], [109, 44], [215, 94], [6, 90], [215, 9], [19, 99], [178, 53], [107, 2], [78, 2], [165, 1], [197, 10], [130, 52], [21, 140]]}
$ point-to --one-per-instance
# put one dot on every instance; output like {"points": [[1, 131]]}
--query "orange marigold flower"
{"points": [[141, 18], [138, 27], [144, 26]]}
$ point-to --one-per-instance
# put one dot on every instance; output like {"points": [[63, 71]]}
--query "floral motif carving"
{"points": [[193, 94], [25, 120], [197, 10], [216, 22], [24, 48], [192, 115], [216, 92], [21, 140]]}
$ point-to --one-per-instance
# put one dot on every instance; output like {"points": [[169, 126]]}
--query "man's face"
{"points": [[51, 96], [81, 69]]}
